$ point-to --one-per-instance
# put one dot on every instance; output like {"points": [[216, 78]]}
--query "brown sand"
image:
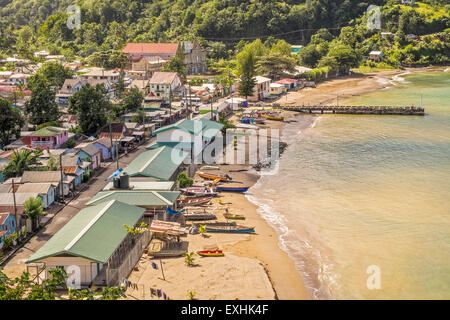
{"points": [[254, 266]]}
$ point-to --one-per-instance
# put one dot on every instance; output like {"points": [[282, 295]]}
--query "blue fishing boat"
{"points": [[232, 189]]}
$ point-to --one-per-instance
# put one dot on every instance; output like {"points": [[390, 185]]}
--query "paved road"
{"points": [[16, 265]]}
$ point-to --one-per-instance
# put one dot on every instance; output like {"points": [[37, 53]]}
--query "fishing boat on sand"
{"points": [[209, 176], [166, 254], [229, 229], [232, 189], [199, 191], [199, 216], [194, 201], [209, 168], [271, 117], [207, 253], [230, 216]]}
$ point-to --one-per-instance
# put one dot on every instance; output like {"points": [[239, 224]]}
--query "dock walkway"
{"points": [[374, 110]]}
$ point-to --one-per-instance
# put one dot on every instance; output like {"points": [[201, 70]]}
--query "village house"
{"points": [[96, 241], [73, 165], [158, 164], [295, 49], [148, 64], [7, 225], [261, 89], [95, 73], [163, 83], [164, 51], [47, 138], [289, 84], [376, 56], [151, 200], [107, 151], [46, 191], [53, 177], [19, 78], [91, 154], [277, 89], [194, 58], [18, 199], [71, 86]]}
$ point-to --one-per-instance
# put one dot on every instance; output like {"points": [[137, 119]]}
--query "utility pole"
{"points": [[211, 108], [110, 136], [170, 103], [15, 205], [117, 155], [190, 100], [62, 177]]}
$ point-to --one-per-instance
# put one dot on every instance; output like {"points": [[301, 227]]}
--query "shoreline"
{"points": [[254, 266]]}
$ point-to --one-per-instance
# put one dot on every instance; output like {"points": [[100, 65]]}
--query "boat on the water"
{"points": [[166, 253], [232, 189], [209, 176], [207, 253], [229, 229], [199, 191], [194, 201], [230, 216]]}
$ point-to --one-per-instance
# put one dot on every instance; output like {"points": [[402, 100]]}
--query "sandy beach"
{"points": [[254, 266]]}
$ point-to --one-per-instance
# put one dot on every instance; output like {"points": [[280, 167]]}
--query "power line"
{"points": [[266, 36]]}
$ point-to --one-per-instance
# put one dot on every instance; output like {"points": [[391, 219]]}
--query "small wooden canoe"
{"points": [[199, 216], [209, 176], [230, 216], [230, 229], [194, 201], [166, 253], [216, 253], [199, 191], [232, 189], [273, 118], [209, 168]]}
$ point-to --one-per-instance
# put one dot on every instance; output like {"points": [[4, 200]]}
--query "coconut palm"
{"points": [[33, 210], [22, 160]]}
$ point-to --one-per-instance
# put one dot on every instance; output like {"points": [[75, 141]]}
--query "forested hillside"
{"points": [[30, 25]]}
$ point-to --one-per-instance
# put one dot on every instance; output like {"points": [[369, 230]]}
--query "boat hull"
{"points": [[232, 189], [229, 230], [217, 253], [233, 217], [166, 254]]}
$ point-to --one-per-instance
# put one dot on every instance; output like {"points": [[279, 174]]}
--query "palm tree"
{"points": [[21, 161], [33, 210]]}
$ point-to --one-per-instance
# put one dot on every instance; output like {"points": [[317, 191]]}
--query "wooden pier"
{"points": [[374, 110]]}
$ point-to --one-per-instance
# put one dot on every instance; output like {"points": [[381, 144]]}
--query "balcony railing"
{"points": [[42, 144]]}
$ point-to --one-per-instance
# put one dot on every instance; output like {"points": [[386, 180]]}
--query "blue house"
{"points": [[72, 165], [7, 226], [104, 144]]}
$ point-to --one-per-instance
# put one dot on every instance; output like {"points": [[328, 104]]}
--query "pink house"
{"points": [[47, 138]]}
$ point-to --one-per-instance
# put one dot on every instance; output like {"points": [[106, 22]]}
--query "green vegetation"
{"points": [[11, 120], [184, 180], [22, 160], [91, 106], [33, 208], [23, 288]]}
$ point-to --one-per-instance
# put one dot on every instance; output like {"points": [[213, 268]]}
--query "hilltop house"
{"points": [[47, 138], [164, 51], [376, 56], [95, 73]]}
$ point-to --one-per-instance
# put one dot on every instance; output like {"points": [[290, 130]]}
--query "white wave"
{"points": [[399, 79], [447, 70]]}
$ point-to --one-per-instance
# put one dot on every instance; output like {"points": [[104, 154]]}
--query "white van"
{"points": [[194, 101]]}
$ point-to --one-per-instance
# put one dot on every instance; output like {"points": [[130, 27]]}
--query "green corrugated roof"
{"points": [[94, 233], [137, 198], [160, 163], [191, 126], [47, 131]]}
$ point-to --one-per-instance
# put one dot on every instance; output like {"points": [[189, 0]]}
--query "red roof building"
{"points": [[137, 50]]}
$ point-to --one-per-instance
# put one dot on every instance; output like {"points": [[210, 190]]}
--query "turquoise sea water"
{"points": [[357, 191]]}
